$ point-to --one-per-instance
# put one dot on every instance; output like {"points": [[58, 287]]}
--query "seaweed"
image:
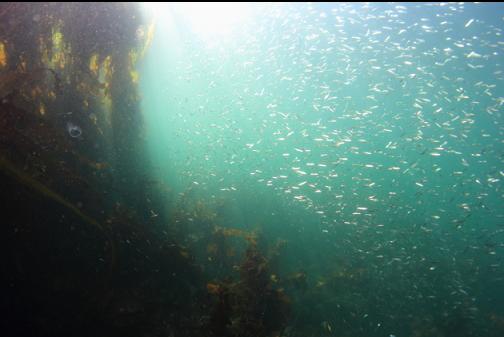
{"points": [[251, 306], [37, 187]]}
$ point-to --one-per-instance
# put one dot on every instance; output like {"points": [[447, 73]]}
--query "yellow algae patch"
{"points": [[135, 76], [105, 76], [148, 39], [135, 55], [42, 109], [145, 38], [132, 60], [105, 72], [3, 55], [213, 288], [51, 94], [60, 53], [94, 65]]}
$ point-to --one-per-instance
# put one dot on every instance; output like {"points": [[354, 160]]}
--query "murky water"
{"points": [[283, 169]]}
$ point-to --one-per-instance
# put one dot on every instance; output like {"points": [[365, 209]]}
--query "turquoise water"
{"points": [[366, 137], [251, 170]]}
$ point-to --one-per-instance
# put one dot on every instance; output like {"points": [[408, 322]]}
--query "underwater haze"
{"points": [[252, 169], [369, 137]]}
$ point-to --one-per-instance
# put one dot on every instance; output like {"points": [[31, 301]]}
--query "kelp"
{"points": [[37, 187]]}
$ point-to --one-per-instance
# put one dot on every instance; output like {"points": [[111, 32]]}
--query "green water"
{"points": [[368, 137]]}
